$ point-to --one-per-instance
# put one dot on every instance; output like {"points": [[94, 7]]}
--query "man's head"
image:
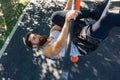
{"points": [[35, 40]]}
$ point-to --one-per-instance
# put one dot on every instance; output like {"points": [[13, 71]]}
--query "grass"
{"points": [[10, 11]]}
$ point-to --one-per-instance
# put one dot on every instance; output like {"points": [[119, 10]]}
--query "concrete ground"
{"points": [[18, 62]]}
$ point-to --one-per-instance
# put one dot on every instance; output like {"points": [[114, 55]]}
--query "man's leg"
{"points": [[98, 10], [102, 29], [58, 17], [95, 33]]}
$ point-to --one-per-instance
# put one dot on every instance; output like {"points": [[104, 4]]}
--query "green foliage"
{"points": [[11, 10]]}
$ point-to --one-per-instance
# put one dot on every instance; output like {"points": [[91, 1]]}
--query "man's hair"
{"points": [[27, 42], [42, 40]]}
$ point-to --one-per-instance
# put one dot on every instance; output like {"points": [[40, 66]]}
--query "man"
{"points": [[54, 46], [51, 50]]}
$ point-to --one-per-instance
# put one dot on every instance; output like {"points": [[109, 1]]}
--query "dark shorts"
{"points": [[85, 44]]}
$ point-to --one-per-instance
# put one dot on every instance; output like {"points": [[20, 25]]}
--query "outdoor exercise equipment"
{"points": [[67, 58], [75, 5]]}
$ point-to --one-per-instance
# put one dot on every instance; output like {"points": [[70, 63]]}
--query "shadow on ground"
{"points": [[18, 62]]}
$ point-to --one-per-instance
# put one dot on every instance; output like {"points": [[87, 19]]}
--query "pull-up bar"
{"points": [[75, 6]]}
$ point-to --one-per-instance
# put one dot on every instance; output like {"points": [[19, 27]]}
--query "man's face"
{"points": [[37, 40], [34, 38]]}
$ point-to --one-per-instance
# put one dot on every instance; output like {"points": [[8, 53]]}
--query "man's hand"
{"points": [[72, 14]]}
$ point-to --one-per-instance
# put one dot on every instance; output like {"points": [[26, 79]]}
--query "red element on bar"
{"points": [[74, 58], [77, 5]]}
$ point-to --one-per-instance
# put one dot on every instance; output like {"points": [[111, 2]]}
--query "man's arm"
{"points": [[68, 5], [55, 27], [60, 43], [53, 50]]}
